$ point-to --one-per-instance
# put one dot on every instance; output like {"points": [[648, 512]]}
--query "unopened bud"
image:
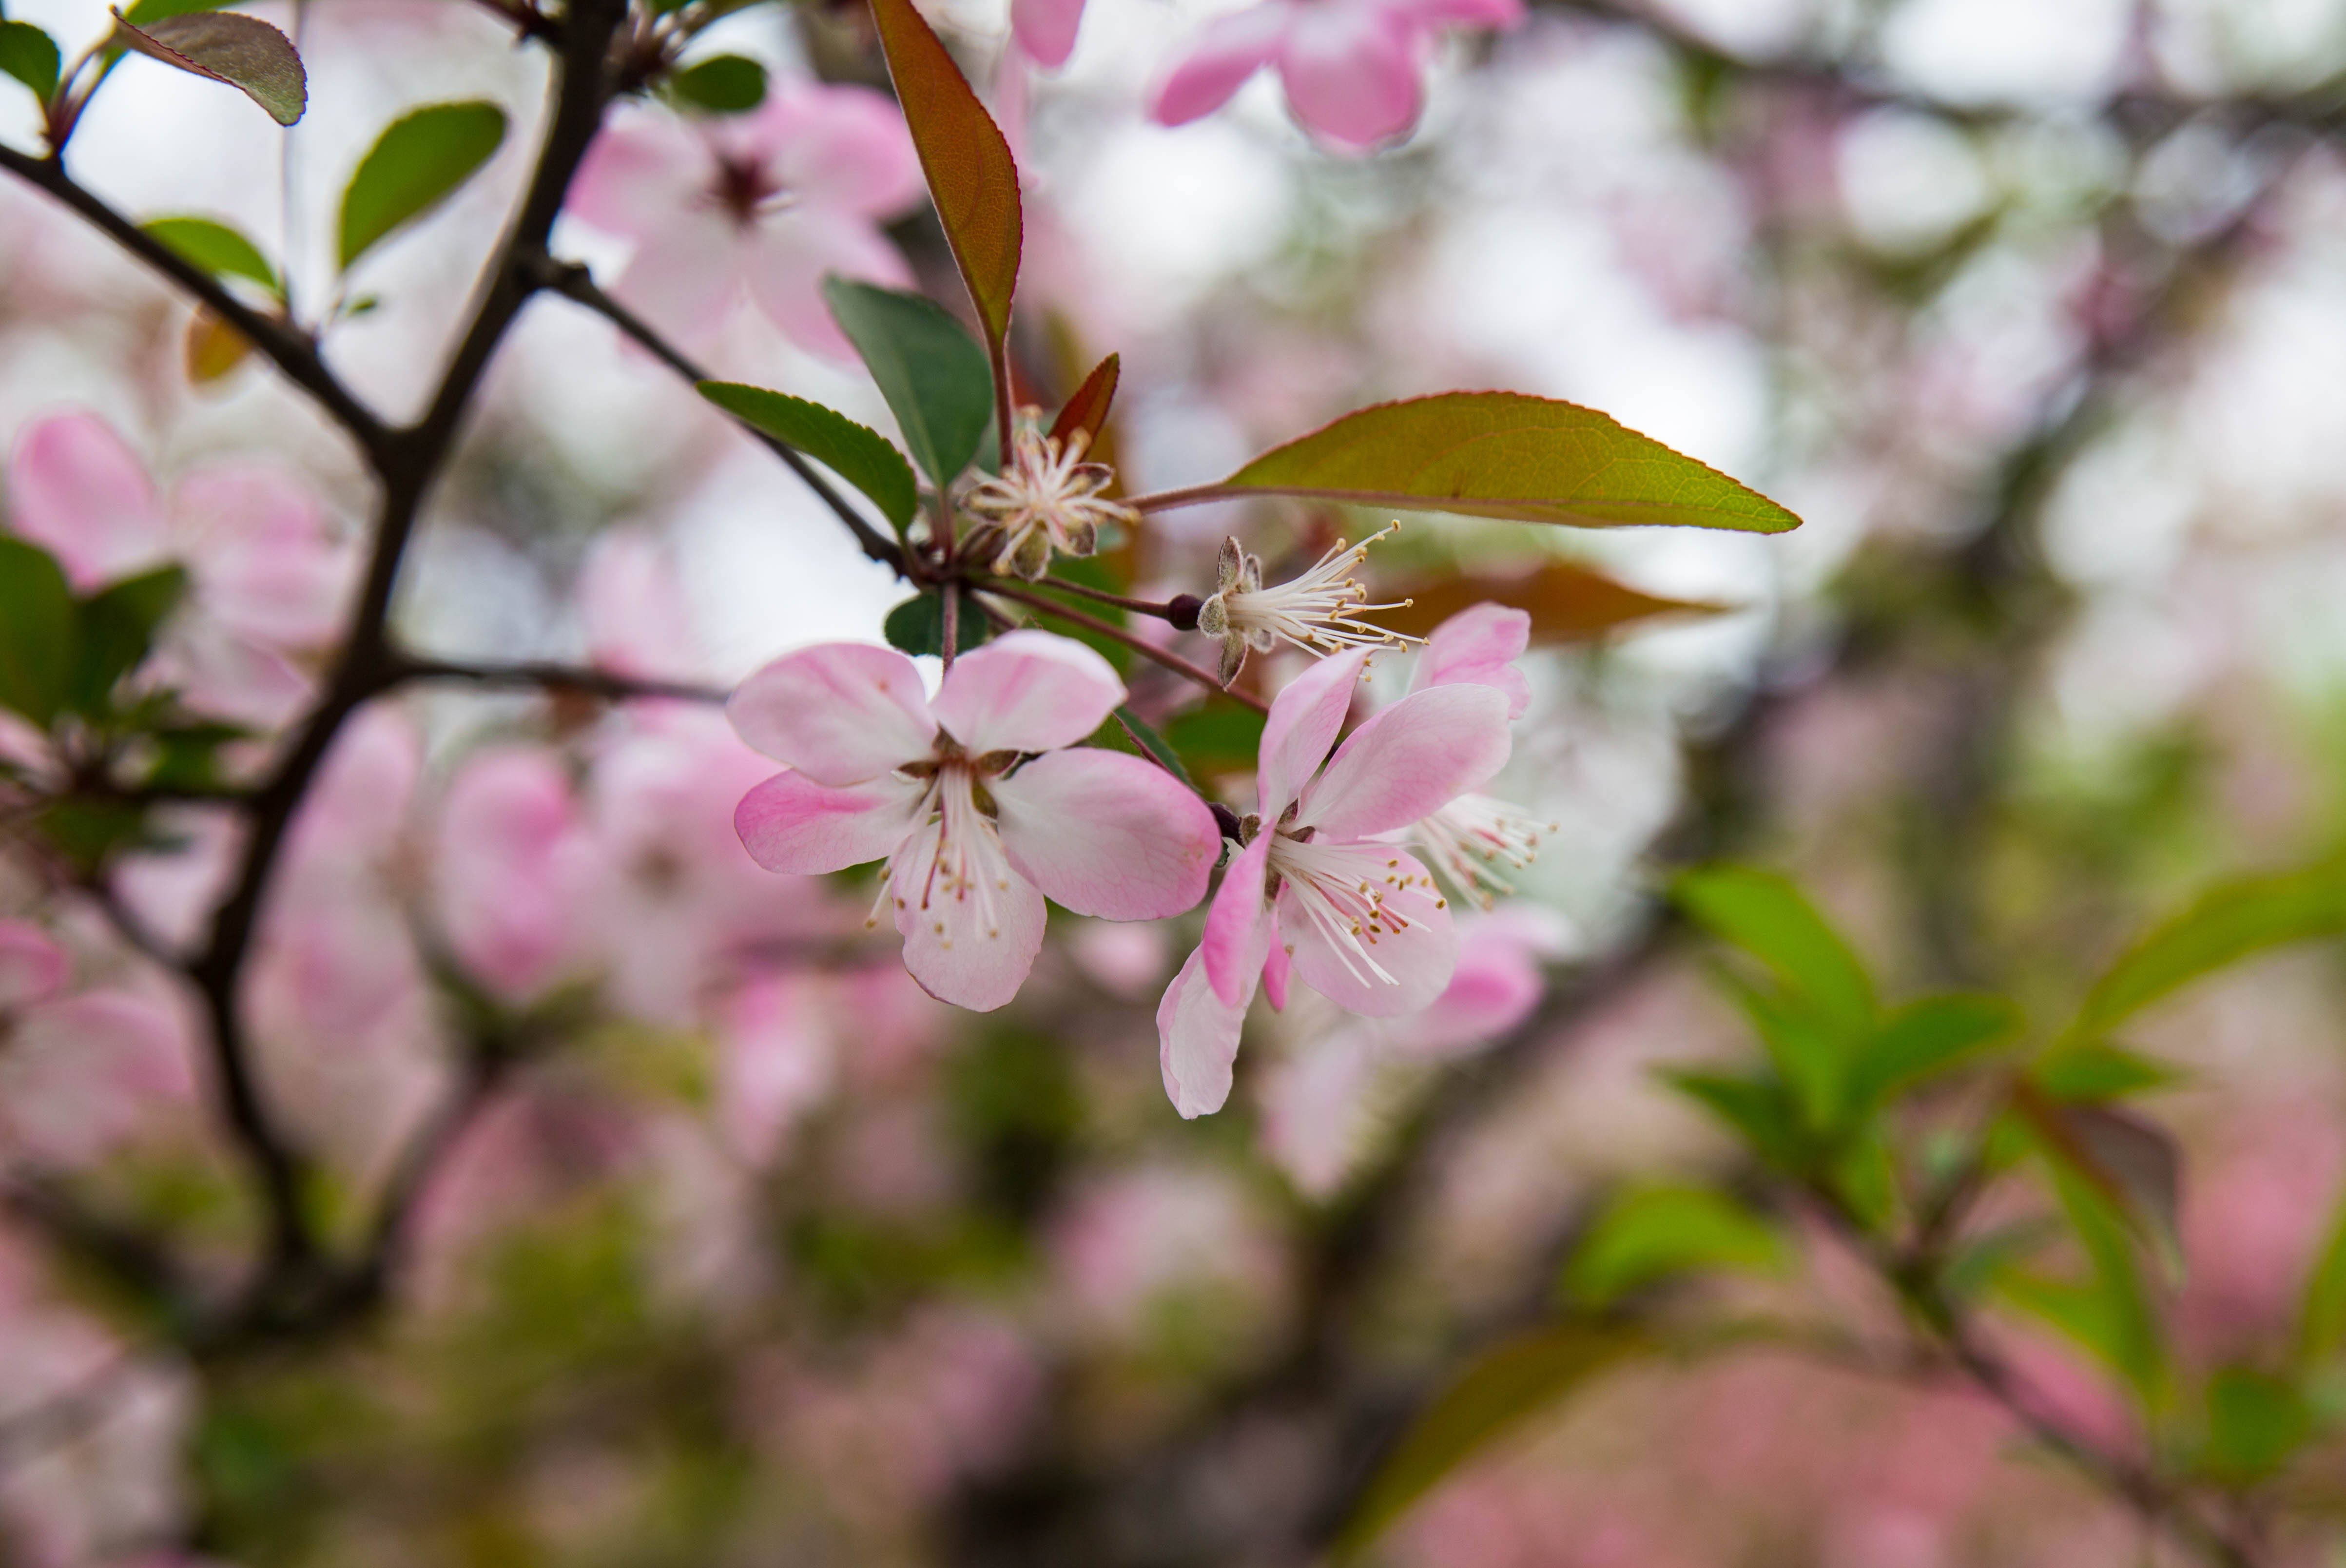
{"points": [[1182, 610]]}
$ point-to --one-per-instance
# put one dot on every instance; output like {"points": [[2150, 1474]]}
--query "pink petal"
{"points": [[973, 952], [32, 967], [1353, 73], [1316, 1111], [1407, 761], [511, 865], [1430, 14], [1494, 988], [791, 823], [1026, 691], [265, 565], [841, 147], [1478, 646], [776, 1062], [1227, 53], [838, 712], [78, 491], [1103, 833], [1303, 722], [1276, 970], [785, 258], [637, 621], [1236, 921], [229, 676], [1417, 950], [1197, 1033], [685, 276], [642, 173], [1046, 30]]}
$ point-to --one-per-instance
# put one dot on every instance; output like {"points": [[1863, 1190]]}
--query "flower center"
{"points": [[744, 189], [952, 869], [1347, 908]]}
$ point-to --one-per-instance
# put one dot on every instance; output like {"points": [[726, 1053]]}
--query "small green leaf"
{"points": [[87, 831], [2322, 1323], [1649, 1234], [118, 623], [931, 371], [416, 163], [856, 452], [1145, 738], [216, 247], [1925, 1038], [1808, 1054], [147, 11], [39, 633], [1497, 1392], [1758, 1110], [228, 47], [2110, 1314], [2255, 1424], [1500, 454], [2098, 1071], [918, 627], [1765, 915], [31, 57], [1218, 736], [726, 85]]}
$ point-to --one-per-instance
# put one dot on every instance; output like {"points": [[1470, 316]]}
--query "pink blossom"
{"points": [[777, 1062], [637, 621], [79, 1072], [1354, 70], [1314, 890], [981, 801], [268, 577], [1469, 839], [770, 204], [513, 867]]}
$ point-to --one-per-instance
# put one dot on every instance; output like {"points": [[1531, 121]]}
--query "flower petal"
{"points": [[843, 147], [1352, 74], [838, 712], [641, 174], [32, 967], [1495, 986], [1478, 646], [1227, 53], [972, 951], [1412, 759], [1236, 920], [791, 823], [256, 539], [1417, 950], [1276, 970], [77, 491], [1027, 691], [1197, 1033], [785, 258], [685, 276], [1303, 722], [1046, 30], [1105, 834]]}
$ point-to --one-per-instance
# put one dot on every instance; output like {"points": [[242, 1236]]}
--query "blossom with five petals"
{"points": [[981, 801], [1314, 891], [1467, 839]]}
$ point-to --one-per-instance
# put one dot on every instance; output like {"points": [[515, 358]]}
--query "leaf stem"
{"points": [[1101, 595], [1146, 650]]}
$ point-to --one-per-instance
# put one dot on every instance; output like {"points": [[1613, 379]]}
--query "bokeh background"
{"points": [[2033, 310]]}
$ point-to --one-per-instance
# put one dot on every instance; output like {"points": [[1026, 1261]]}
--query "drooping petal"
{"points": [[1227, 53], [1303, 722], [1046, 30], [644, 172], [1478, 646], [264, 562], [840, 713], [785, 258], [791, 823], [1412, 759], [1353, 73], [843, 147], [79, 493], [32, 967], [969, 939], [1407, 964], [1197, 1033], [1236, 923], [1103, 833], [1026, 691]]}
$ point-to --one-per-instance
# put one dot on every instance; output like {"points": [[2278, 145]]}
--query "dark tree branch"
{"points": [[554, 678]]}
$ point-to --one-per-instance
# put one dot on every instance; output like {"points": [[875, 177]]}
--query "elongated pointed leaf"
{"points": [[1767, 917], [2256, 1422], [244, 52], [216, 247], [1925, 1038], [928, 367], [1567, 602], [971, 177], [416, 163], [2321, 1323], [31, 57], [1088, 410], [1497, 1392], [118, 623], [1649, 1234], [856, 452], [1498, 455], [39, 632]]}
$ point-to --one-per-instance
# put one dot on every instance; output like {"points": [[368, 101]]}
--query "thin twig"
{"points": [[1147, 650], [1101, 595], [543, 677]]}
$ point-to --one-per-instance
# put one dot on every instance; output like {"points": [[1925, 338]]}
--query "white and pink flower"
{"points": [[1317, 889], [981, 801]]}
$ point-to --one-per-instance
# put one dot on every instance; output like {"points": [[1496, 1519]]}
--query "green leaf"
{"points": [[726, 85], [2322, 1322], [87, 831], [2227, 925], [1925, 1038], [216, 247], [228, 47], [1499, 454], [416, 163], [2255, 1424], [118, 623], [1145, 738], [1808, 1053], [1497, 1392], [147, 11], [918, 627], [1218, 736], [856, 452], [1758, 1110], [2110, 1314], [1765, 915], [972, 177], [1647, 1235], [39, 633], [31, 57], [2094, 1071], [928, 367]]}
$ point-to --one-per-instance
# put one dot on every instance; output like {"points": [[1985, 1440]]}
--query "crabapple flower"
{"points": [[1318, 612], [1470, 838], [514, 858], [1045, 501], [1316, 893], [79, 1072], [269, 578], [770, 204], [1353, 69], [976, 800]]}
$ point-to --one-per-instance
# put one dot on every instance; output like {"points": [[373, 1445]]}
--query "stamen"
{"points": [[1467, 839]]}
